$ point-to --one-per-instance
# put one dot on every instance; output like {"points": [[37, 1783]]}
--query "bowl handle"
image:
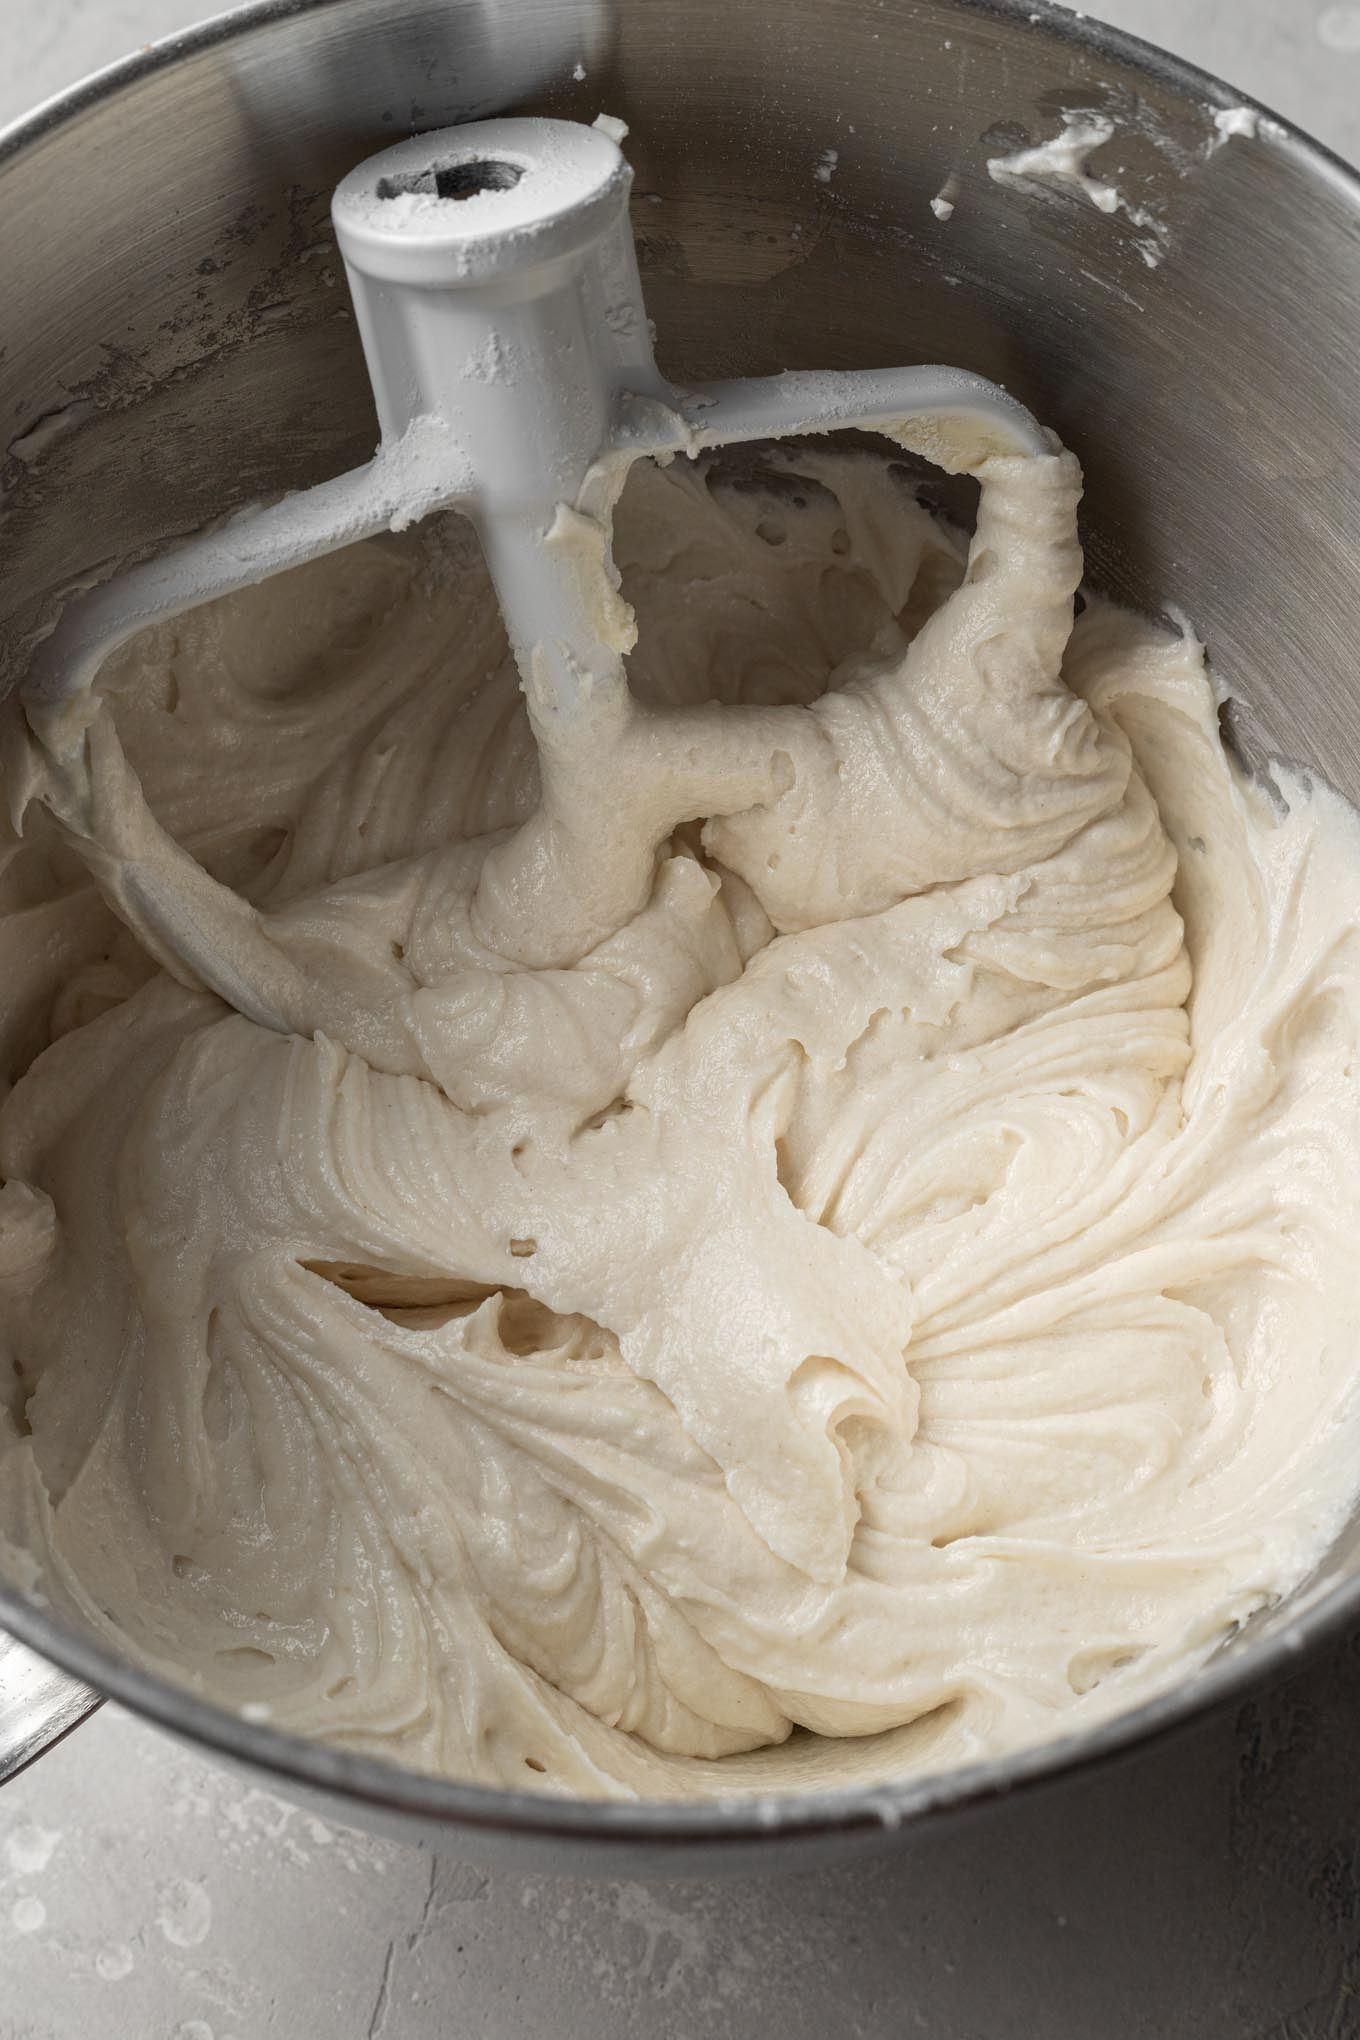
{"points": [[38, 1706]]}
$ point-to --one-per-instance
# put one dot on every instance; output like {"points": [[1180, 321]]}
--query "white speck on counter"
{"points": [[1338, 28], [579, 73], [28, 1915], [115, 1962], [826, 165], [609, 124], [29, 1848], [183, 1912]]}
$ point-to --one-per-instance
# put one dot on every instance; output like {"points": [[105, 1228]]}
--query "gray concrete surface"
{"points": [[1206, 1890], [1209, 1890]]}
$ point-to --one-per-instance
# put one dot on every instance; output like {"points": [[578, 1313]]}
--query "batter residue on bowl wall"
{"points": [[839, 1214]]}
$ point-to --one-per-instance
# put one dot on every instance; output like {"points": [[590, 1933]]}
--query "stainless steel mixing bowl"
{"points": [[176, 341]]}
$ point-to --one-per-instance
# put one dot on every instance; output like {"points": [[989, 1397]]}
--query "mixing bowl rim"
{"points": [[385, 1787]]}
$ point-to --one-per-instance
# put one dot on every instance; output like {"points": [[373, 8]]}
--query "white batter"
{"points": [[841, 1216]]}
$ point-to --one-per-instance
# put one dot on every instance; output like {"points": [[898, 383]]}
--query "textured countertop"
{"points": [[1205, 1890]]}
